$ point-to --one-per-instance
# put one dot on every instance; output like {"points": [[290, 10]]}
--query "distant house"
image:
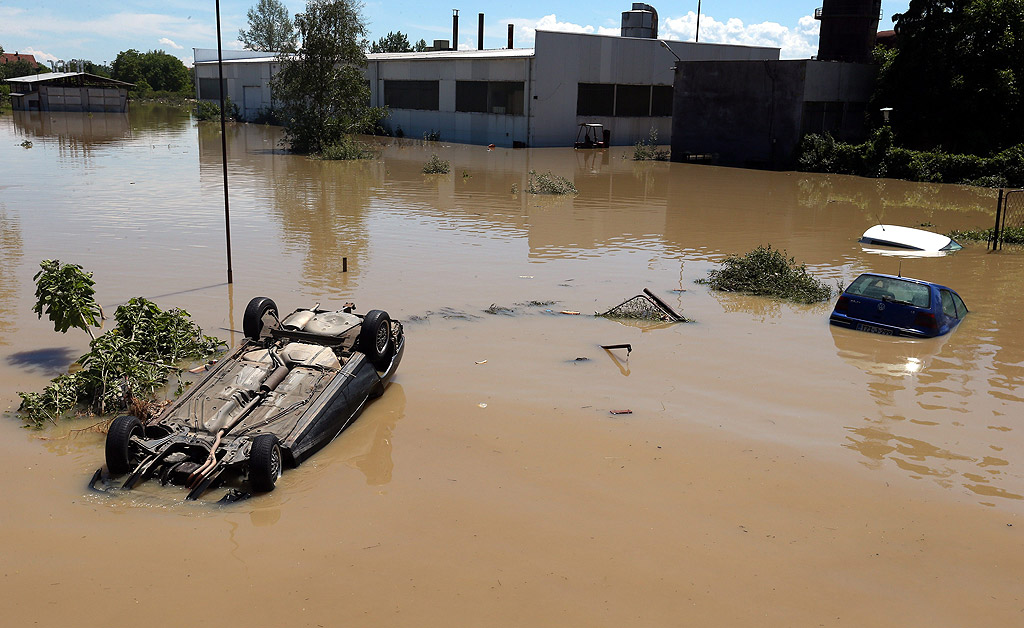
{"points": [[14, 57], [69, 91]]}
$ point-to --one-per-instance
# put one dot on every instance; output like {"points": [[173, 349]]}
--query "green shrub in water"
{"points": [[207, 110], [767, 272], [549, 184], [346, 149], [1010, 235], [647, 150], [436, 165], [131, 361]]}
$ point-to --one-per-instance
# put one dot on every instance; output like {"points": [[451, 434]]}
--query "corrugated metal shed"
{"points": [[69, 91]]}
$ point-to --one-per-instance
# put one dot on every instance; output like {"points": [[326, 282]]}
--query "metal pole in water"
{"points": [[223, 143]]}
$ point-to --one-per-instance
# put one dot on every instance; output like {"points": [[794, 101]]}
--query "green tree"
{"points": [[955, 78], [420, 46], [321, 90], [64, 292], [127, 66], [270, 28], [392, 42], [154, 69]]}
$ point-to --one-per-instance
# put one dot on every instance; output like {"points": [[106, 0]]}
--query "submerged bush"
{"points": [[347, 148], [549, 184], [436, 165], [129, 362], [879, 157], [207, 110], [767, 272], [647, 150], [1009, 235]]}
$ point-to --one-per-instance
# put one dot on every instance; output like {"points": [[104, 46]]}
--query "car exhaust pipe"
{"points": [[274, 379]]}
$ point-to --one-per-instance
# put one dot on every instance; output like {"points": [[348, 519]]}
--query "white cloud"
{"points": [[168, 42], [796, 42], [799, 42], [40, 56]]}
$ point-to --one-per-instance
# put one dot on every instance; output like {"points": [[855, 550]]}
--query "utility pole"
{"points": [[696, 37], [223, 143]]}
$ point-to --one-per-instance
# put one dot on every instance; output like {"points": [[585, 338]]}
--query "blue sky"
{"points": [[98, 29]]}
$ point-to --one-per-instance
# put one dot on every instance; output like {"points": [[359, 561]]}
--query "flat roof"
{"points": [[497, 53], [494, 53], [56, 76]]}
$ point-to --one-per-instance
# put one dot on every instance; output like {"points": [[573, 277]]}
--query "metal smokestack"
{"points": [[510, 27], [455, 28], [480, 34]]}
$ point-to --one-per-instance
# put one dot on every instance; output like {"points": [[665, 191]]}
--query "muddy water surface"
{"points": [[774, 470]]}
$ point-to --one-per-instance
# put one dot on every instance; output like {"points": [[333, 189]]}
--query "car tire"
{"points": [[252, 321], [375, 339], [265, 463], [120, 459]]}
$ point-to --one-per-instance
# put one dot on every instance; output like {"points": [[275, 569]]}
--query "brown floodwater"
{"points": [[774, 470]]}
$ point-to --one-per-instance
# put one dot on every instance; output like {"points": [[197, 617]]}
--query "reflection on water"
{"points": [[138, 199], [10, 259], [927, 371]]}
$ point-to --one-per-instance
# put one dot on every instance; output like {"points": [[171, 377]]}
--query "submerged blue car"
{"points": [[898, 306]]}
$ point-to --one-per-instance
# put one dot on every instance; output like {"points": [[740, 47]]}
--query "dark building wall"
{"points": [[745, 113], [754, 113], [848, 30]]}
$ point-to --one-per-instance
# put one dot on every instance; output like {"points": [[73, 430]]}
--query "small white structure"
{"points": [[506, 97]]}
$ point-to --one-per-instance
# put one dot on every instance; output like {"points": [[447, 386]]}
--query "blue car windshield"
{"points": [[891, 288]]}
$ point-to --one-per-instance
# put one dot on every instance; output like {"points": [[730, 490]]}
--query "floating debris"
{"points": [[500, 309], [646, 306], [621, 411], [536, 303], [481, 361], [627, 346], [570, 312]]}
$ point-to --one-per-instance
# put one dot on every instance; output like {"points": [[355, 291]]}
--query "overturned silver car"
{"points": [[290, 388]]}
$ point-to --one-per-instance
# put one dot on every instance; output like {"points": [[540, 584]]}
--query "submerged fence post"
{"points": [[994, 240]]}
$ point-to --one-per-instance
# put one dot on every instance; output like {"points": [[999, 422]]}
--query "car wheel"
{"points": [[120, 459], [252, 321], [265, 463], [375, 338]]}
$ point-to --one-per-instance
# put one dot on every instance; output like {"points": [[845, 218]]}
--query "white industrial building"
{"points": [[507, 97]]}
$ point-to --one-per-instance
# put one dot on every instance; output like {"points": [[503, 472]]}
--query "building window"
{"points": [[661, 100], [208, 89], [635, 101], [411, 95], [471, 96], [501, 97], [632, 100], [595, 99]]}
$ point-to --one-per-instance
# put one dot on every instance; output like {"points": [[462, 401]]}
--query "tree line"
{"points": [[953, 80]]}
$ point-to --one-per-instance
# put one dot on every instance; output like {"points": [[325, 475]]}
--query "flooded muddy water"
{"points": [[773, 471]]}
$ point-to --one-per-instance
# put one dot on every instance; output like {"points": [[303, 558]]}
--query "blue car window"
{"points": [[875, 287], [912, 293], [870, 286], [948, 307], [961, 307]]}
